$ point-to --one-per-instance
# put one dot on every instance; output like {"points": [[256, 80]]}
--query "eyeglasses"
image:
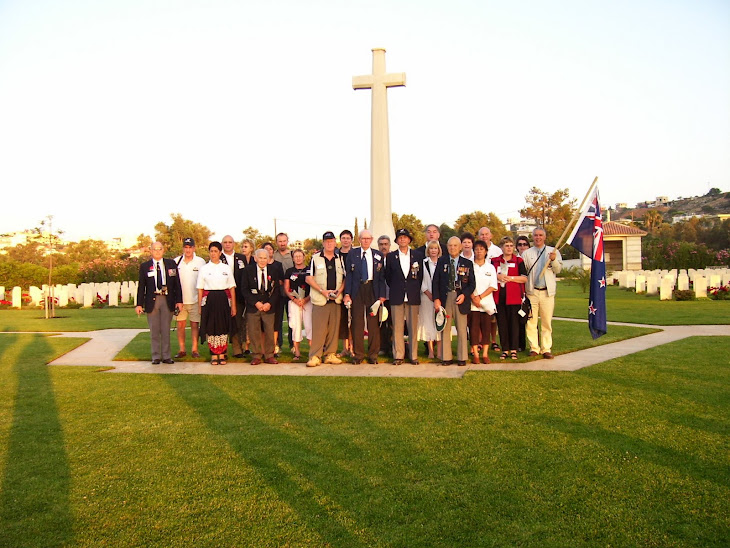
{"points": [[523, 244]]}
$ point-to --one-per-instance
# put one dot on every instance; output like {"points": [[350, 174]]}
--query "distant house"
{"points": [[621, 247]]}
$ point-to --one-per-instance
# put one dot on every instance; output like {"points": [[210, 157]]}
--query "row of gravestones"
{"points": [[113, 293], [664, 282]]}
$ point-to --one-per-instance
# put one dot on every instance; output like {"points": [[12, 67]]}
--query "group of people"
{"points": [[350, 294]]}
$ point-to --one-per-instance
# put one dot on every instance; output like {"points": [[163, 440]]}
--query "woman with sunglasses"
{"points": [[522, 244]]}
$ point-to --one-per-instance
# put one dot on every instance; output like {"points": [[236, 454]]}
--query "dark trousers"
{"points": [[480, 326], [509, 326], [237, 335], [386, 333], [360, 310]]}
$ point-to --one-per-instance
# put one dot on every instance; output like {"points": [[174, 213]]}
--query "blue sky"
{"points": [[115, 114]]}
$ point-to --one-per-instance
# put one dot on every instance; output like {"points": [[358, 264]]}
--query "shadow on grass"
{"points": [[289, 473], [34, 506], [680, 461]]}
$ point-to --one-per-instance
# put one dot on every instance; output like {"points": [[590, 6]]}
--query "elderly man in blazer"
{"points": [[159, 293], [260, 284], [453, 284], [364, 285], [404, 275]]}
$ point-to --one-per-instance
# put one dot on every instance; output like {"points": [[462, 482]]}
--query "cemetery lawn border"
{"points": [[71, 319], [633, 451], [627, 306]]}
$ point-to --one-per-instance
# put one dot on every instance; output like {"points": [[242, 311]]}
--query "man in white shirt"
{"points": [[188, 265], [543, 264]]}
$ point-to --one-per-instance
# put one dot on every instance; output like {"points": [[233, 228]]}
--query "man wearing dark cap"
{"points": [[188, 265], [327, 280], [404, 275]]}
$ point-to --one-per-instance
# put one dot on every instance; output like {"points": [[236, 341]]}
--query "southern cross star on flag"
{"points": [[587, 237]]}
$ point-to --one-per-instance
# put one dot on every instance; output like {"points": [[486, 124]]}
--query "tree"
{"points": [[144, 241], [27, 253], [414, 226], [87, 250], [446, 232], [257, 238], [652, 219], [472, 222], [172, 235], [551, 211]]}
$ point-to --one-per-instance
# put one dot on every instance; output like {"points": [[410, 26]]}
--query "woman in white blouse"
{"points": [[217, 301], [482, 303], [426, 325]]}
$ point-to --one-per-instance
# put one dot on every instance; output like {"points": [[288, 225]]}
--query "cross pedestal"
{"points": [[381, 214]]}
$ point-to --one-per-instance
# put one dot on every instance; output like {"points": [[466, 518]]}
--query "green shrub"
{"points": [[684, 295]]}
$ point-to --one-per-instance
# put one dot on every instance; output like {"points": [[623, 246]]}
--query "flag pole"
{"points": [[577, 213], [571, 223]]}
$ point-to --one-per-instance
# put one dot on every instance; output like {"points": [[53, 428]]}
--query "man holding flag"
{"points": [[587, 237], [543, 265]]}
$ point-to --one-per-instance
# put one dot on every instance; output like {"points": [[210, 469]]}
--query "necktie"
{"points": [[159, 276], [262, 287], [364, 270], [452, 275], [223, 259]]}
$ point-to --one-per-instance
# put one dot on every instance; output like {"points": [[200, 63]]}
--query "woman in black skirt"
{"points": [[217, 301]]}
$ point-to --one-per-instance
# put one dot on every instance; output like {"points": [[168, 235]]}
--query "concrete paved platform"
{"points": [[105, 344]]}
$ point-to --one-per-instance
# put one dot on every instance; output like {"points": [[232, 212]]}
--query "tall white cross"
{"points": [[381, 215]]}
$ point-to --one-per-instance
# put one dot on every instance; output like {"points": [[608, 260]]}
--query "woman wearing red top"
{"points": [[512, 276]]}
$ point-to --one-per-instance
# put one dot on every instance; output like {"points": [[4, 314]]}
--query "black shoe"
{"points": [[356, 361], [239, 355], [373, 360], [246, 352], [155, 362], [168, 361], [414, 362], [447, 362], [461, 363], [397, 362], [276, 354]]}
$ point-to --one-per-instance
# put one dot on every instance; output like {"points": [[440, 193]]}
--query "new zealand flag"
{"points": [[587, 237]]}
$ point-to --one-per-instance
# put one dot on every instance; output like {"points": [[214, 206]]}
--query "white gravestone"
{"points": [[17, 297], [36, 295], [715, 280], [641, 283], [113, 294], [62, 294], [683, 282], [2, 292], [79, 293], [725, 277], [700, 286], [630, 279], [621, 275], [124, 289], [133, 291], [652, 283], [89, 295], [665, 292]]}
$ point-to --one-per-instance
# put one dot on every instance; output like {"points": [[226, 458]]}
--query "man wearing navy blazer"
{"points": [[159, 293], [453, 284], [364, 284], [260, 286], [404, 274]]}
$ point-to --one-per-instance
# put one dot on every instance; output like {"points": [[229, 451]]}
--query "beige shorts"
{"points": [[189, 312]]}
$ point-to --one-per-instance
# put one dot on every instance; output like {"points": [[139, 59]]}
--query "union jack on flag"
{"points": [[587, 237]]}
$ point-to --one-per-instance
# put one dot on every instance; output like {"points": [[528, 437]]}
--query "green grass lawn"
{"points": [[567, 337], [72, 319], [634, 451], [627, 306]]}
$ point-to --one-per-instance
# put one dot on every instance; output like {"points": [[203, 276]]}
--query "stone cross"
{"points": [[381, 217]]}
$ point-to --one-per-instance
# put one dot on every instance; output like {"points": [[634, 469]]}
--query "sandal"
{"points": [[222, 361], [297, 357], [214, 360], [504, 356], [496, 347], [513, 354]]}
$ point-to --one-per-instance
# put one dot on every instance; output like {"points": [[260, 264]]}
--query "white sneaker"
{"points": [[332, 359], [314, 361]]}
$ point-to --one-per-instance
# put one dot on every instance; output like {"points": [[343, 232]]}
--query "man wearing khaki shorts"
{"points": [[188, 265]]}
